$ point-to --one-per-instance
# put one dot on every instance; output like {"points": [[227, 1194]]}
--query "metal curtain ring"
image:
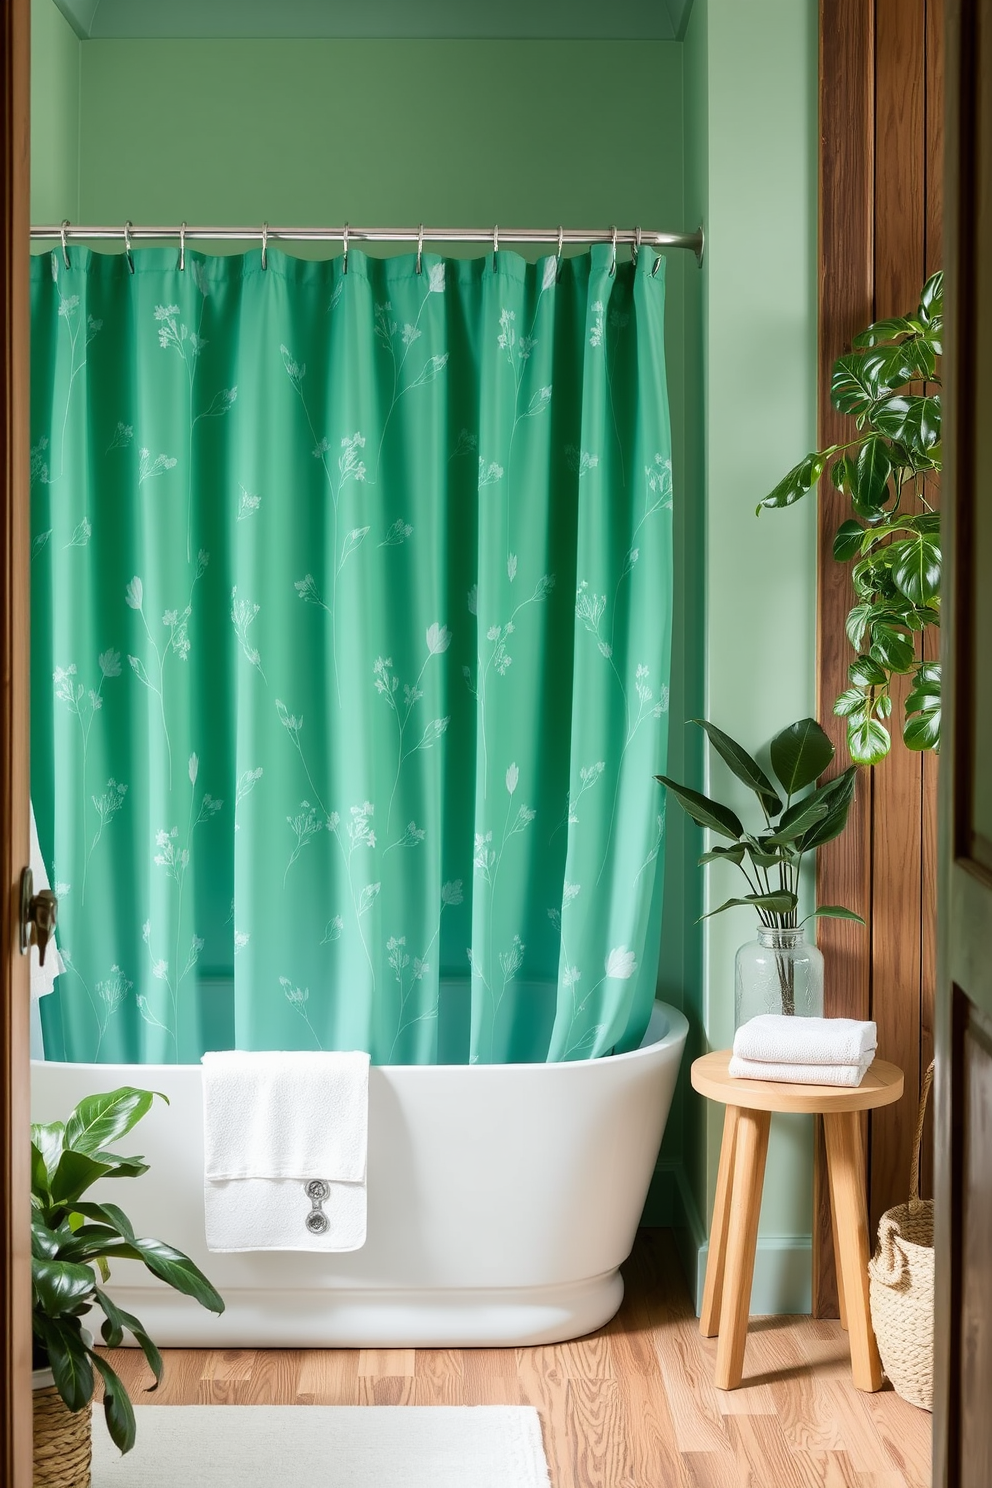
{"points": [[65, 251], [182, 246], [265, 244], [613, 265], [420, 247], [637, 245], [344, 239], [495, 244], [127, 245], [561, 240]]}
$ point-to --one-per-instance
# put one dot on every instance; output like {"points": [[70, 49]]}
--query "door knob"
{"points": [[39, 913]]}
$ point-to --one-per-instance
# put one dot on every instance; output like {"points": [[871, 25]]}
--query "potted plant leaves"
{"points": [[889, 385], [778, 973], [73, 1243]]}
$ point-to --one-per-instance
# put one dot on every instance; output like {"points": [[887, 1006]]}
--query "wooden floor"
{"points": [[632, 1406]]}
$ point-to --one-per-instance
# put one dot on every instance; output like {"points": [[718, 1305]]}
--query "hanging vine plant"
{"points": [[889, 385]]}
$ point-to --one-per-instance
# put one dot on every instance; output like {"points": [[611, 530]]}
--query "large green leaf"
{"points": [[847, 540], [74, 1175], [743, 766], [109, 1214], [180, 1272], [891, 649], [49, 1140], [783, 903], [893, 367], [93, 1240], [67, 1358], [799, 818], [121, 1167], [866, 672], [883, 331], [60, 1287], [833, 912], [800, 753], [44, 1240], [800, 479], [923, 709], [913, 421], [932, 299], [916, 568], [853, 386], [113, 1331], [839, 793], [99, 1119], [867, 741], [870, 483], [733, 854], [703, 811], [117, 1409]]}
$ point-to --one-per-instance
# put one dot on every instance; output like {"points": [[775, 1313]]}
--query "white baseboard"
{"points": [[783, 1264]]}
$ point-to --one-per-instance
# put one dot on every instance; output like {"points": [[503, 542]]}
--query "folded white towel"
{"points": [[850, 1075], [285, 1138], [778, 1039]]}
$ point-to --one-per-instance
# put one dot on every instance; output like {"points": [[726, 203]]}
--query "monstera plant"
{"points": [[889, 385], [73, 1242]]}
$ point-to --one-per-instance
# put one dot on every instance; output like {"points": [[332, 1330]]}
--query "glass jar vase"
{"points": [[778, 973]]}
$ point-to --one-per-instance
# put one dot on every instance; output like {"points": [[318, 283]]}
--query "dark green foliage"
{"points": [[66, 1158], [889, 384], [799, 755]]}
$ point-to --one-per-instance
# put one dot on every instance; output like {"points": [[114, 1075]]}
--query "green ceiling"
{"points": [[619, 20]]}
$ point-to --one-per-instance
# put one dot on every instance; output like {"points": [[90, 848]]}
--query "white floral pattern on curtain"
{"points": [[352, 619]]}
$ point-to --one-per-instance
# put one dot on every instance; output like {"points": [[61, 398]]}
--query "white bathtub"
{"points": [[502, 1199]]}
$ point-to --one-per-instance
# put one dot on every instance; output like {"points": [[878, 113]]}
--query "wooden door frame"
{"points": [[880, 214], [15, 1273]]}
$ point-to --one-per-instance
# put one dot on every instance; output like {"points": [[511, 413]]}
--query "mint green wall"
{"points": [[750, 88], [55, 55]]}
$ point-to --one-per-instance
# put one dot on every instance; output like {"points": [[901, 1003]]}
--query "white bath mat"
{"points": [[329, 1446]]}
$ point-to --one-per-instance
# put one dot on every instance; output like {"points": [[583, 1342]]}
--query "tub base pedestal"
{"points": [[352, 1317]]}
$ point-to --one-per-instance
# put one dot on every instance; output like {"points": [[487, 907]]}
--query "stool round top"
{"points": [[881, 1086]]}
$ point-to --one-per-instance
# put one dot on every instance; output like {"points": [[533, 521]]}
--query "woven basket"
{"points": [[62, 1440], [901, 1285]]}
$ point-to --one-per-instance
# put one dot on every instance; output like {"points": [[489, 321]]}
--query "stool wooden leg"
{"points": [[751, 1147], [845, 1164], [842, 1307], [709, 1317]]}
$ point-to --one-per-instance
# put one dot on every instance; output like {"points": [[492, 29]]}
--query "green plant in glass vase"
{"points": [[71, 1236], [799, 816], [889, 385]]}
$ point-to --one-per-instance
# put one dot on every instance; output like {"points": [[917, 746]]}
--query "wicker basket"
{"points": [[62, 1442], [901, 1285]]}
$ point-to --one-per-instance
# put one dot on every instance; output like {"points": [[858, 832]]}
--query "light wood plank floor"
{"points": [[632, 1406]]}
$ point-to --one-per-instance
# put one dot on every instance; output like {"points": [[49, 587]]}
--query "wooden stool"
{"points": [[734, 1234]]}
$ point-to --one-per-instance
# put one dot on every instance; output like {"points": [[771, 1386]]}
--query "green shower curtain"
{"points": [[351, 615]]}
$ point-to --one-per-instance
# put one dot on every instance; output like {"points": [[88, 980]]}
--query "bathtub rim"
{"points": [[676, 1034]]}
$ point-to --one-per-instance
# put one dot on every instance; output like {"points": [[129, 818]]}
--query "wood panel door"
{"points": [[15, 1271], [963, 1361]]}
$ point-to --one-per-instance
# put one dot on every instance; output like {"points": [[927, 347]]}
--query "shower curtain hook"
{"points": [[613, 265], [561, 239], [344, 240], [637, 246], [495, 244], [65, 251], [420, 247], [182, 246], [127, 245], [657, 266], [265, 244]]}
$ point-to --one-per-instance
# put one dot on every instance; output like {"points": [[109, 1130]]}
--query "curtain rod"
{"points": [[556, 236]]}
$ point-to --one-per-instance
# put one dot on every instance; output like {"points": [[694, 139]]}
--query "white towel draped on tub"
{"points": [[285, 1138]]}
